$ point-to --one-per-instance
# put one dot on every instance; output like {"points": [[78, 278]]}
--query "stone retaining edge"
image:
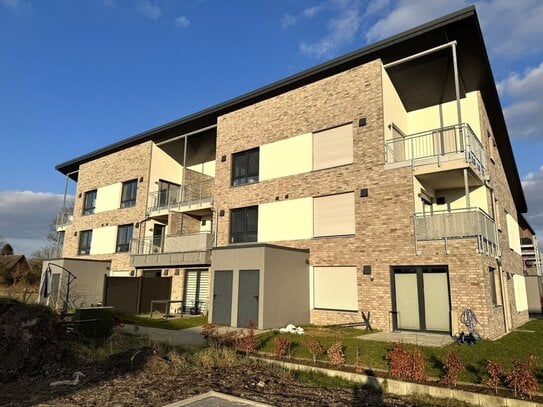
{"points": [[400, 388]]}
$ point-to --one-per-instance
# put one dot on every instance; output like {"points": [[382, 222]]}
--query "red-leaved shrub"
{"points": [[282, 347], [453, 366], [495, 373], [521, 379], [336, 355], [314, 347], [406, 365]]}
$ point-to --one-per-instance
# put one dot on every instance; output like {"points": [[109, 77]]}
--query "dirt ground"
{"points": [[35, 351], [121, 381]]}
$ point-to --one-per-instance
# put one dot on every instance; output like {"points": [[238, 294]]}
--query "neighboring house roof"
{"points": [[474, 72], [523, 222], [10, 261]]}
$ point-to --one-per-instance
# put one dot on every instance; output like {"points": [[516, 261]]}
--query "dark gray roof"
{"points": [[474, 71], [10, 261]]}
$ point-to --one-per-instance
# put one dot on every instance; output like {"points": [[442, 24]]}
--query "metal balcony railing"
{"points": [[457, 224], [172, 244], [65, 217], [438, 143], [177, 197]]}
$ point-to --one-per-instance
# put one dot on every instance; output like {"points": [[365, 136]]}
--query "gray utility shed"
{"points": [[264, 283]]}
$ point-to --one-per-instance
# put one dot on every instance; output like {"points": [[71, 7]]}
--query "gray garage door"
{"points": [[249, 281], [222, 297]]}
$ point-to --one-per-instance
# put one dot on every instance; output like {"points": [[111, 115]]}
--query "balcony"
{"points": [[181, 198], [443, 149], [183, 250], [458, 224], [64, 218]]}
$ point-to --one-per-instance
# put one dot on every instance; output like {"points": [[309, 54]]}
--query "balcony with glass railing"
{"points": [[64, 218], [190, 249], [438, 147], [463, 223], [181, 197]]}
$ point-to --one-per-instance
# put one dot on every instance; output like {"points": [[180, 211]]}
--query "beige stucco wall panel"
{"points": [[104, 240], [286, 157], [393, 109], [285, 220], [164, 167], [108, 197], [431, 118]]}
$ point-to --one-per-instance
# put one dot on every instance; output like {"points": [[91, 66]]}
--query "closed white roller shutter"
{"points": [[334, 215], [333, 147], [335, 288]]}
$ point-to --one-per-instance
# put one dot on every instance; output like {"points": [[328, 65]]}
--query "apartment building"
{"points": [[381, 183], [533, 269]]}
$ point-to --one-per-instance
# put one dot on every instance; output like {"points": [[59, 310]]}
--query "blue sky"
{"points": [[76, 75]]}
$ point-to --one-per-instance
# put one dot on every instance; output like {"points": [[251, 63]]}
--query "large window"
{"points": [[128, 195], [333, 215], [85, 239], [245, 167], [124, 236], [90, 202], [244, 225]]}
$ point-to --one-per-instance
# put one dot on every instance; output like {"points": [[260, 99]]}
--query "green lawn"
{"points": [[170, 323], [372, 354]]}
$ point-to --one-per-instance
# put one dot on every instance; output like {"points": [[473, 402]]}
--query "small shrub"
{"points": [[336, 355], [247, 343], [210, 358], [521, 379], [406, 365], [209, 332], [314, 347], [282, 347], [495, 373], [453, 366]]}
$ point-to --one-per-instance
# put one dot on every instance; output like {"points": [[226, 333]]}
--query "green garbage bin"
{"points": [[100, 328]]}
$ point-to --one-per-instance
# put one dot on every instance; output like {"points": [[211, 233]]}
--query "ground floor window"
{"points": [[335, 288]]}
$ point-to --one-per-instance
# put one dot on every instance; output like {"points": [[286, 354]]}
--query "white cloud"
{"points": [[532, 184], [182, 22], [287, 21], [311, 12], [511, 29], [406, 14], [25, 217], [13, 5], [525, 95], [340, 30], [149, 9]]}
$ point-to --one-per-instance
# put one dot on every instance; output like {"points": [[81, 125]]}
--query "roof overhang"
{"points": [[422, 82]]}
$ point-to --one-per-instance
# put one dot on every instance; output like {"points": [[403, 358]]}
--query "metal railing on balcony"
{"points": [[458, 224], [172, 244], [194, 249], [65, 217], [438, 143], [177, 197]]}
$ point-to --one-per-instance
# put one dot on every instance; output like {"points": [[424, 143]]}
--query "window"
{"points": [[333, 147], [335, 288], [333, 215], [90, 202], [492, 283], [244, 225], [124, 236], [128, 195], [85, 239], [245, 167]]}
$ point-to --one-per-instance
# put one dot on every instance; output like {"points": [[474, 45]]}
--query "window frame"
{"points": [[247, 178], [493, 289], [89, 210], [131, 202], [246, 236], [124, 246], [83, 250]]}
